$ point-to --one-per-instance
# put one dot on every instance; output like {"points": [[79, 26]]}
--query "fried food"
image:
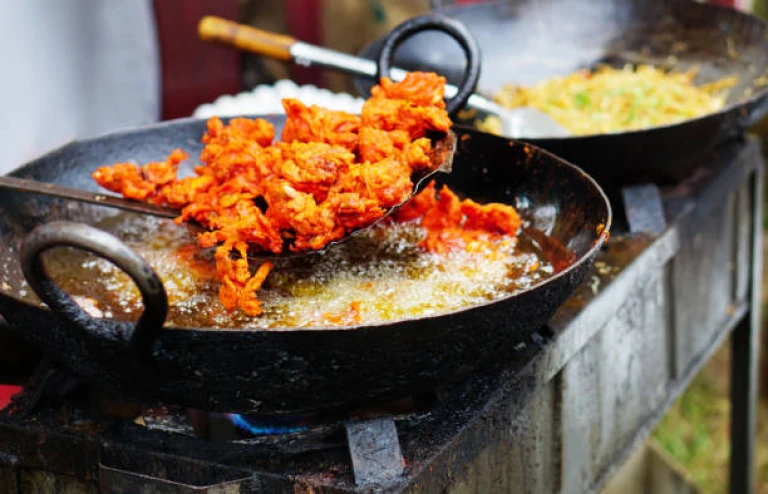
{"points": [[332, 173], [140, 183], [611, 100], [451, 223]]}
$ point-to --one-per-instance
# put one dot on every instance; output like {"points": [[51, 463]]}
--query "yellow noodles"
{"points": [[612, 100]]}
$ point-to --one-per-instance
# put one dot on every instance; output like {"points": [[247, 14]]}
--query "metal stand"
{"points": [[568, 411], [644, 213]]}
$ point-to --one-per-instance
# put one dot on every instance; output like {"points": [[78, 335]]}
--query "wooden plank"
{"points": [[574, 333], [703, 283], [663, 475], [674, 389], [634, 374], [630, 479], [615, 383], [580, 422]]}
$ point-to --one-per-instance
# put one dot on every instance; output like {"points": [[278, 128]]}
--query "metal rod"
{"points": [[743, 406], [53, 190], [310, 55], [745, 344]]}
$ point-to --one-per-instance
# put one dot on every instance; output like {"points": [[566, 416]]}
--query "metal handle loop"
{"points": [[109, 247], [436, 22]]}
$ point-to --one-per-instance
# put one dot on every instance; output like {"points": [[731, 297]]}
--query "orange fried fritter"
{"points": [[347, 317], [387, 181], [182, 192], [332, 173], [237, 136], [392, 114], [420, 204], [414, 105], [377, 144], [313, 167], [243, 222], [142, 183], [239, 287], [496, 218], [315, 124], [416, 154], [451, 223], [353, 209], [241, 148], [445, 214], [418, 88], [125, 178]]}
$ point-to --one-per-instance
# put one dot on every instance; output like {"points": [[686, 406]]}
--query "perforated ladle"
{"points": [[442, 154]]}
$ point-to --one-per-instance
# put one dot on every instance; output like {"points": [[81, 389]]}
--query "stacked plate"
{"points": [[265, 100]]}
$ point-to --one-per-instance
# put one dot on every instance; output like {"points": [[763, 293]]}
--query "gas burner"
{"points": [[361, 447], [367, 436], [257, 426]]}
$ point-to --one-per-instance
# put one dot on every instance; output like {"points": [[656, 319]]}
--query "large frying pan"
{"points": [[525, 41], [287, 370]]}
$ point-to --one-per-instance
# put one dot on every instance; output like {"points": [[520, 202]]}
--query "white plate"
{"points": [[265, 100]]}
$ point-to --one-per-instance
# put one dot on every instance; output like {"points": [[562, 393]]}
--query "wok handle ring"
{"points": [[436, 22], [109, 247]]}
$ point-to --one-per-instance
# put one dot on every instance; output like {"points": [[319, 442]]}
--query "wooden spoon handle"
{"points": [[272, 45]]}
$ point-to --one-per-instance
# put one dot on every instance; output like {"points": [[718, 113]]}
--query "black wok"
{"points": [[525, 41], [287, 370]]}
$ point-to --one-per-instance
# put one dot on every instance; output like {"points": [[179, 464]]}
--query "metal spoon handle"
{"points": [[289, 49], [53, 190]]}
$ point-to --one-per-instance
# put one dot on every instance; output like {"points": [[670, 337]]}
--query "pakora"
{"points": [[331, 173]]}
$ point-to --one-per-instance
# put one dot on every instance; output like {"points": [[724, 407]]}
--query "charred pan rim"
{"points": [[586, 257]]}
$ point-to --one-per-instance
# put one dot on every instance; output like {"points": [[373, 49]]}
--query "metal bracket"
{"points": [[375, 451], [644, 209]]}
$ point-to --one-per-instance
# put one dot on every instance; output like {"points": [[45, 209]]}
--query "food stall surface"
{"points": [[566, 412]]}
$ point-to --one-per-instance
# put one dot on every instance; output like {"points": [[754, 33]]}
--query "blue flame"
{"points": [[265, 428]]}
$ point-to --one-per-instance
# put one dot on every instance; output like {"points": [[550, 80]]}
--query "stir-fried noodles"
{"points": [[611, 100]]}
